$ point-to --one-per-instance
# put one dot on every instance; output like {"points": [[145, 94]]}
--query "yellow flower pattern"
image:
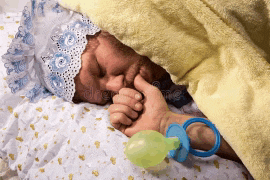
{"points": [[60, 161], [10, 109], [39, 109], [11, 156], [36, 134], [19, 167], [45, 146], [86, 109], [19, 138], [95, 172], [111, 129], [216, 164], [113, 160], [198, 168], [70, 176], [97, 143], [83, 129]]}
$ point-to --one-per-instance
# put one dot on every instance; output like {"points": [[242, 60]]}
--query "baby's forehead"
{"points": [[114, 43]]}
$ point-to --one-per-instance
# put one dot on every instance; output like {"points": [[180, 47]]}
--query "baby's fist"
{"points": [[125, 108]]}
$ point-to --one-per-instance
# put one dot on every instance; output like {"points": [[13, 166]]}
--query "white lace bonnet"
{"points": [[45, 55]]}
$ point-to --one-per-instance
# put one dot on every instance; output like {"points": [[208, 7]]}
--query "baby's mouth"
{"points": [[146, 75]]}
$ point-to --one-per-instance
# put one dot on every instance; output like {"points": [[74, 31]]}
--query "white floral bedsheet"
{"points": [[54, 139]]}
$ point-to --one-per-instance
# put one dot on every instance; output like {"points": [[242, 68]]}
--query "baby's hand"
{"points": [[154, 114], [125, 108]]}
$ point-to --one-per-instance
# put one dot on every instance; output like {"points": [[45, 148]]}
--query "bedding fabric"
{"points": [[54, 139], [220, 49]]}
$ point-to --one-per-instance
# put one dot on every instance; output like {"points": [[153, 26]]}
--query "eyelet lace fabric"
{"points": [[45, 55]]}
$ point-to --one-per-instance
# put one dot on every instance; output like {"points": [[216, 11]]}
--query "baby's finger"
{"points": [[119, 108], [128, 101], [132, 93], [119, 118], [122, 128]]}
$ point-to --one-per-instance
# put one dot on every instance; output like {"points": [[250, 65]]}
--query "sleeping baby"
{"points": [[61, 52]]}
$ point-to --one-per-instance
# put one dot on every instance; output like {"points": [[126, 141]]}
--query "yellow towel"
{"points": [[218, 48]]}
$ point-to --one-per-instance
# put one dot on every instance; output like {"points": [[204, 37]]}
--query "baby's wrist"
{"points": [[171, 118], [164, 122]]}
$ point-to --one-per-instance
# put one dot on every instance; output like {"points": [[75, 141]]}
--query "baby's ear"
{"points": [[92, 42]]}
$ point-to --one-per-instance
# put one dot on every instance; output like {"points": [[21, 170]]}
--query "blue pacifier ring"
{"points": [[212, 126]]}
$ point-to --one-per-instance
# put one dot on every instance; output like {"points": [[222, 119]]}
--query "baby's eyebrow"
{"points": [[92, 42]]}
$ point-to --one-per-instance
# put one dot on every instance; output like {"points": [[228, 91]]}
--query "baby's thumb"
{"points": [[152, 95], [148, 90], [142, 85]]}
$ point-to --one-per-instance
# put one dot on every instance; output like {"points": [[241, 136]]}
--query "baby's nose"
{"points": [[116, 83]]}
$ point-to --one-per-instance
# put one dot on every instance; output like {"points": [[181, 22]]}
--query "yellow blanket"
{"points": [[218, 48]]}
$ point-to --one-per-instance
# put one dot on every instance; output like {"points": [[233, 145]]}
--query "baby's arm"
{"points": [[201, 136]]}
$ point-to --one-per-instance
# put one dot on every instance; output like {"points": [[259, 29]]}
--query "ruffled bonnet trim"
{"points": [[45, 55]]}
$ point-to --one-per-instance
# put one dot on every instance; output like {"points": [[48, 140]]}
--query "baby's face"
{"points": [[107, 66]]}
